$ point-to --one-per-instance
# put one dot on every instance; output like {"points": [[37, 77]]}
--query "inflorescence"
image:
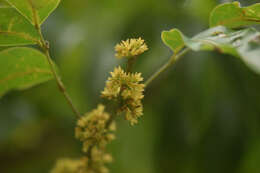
{"points": [[69, 166], [128, 91], [96, 128], [130, 48]]}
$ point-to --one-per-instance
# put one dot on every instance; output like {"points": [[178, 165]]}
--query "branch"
{"points": [[45, 47], [169, 63]]}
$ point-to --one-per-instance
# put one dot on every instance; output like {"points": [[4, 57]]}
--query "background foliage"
{"points": [[201, 116]]}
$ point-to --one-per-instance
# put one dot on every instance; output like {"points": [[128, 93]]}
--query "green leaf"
{"points": [[36, 11], [22, 68], [15, 29], [3, 48], [244, 43], [232, 15], [4, 4], [173, 39]]}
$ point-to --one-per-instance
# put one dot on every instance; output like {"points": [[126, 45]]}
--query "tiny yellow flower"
{"points": [[130, 48]]}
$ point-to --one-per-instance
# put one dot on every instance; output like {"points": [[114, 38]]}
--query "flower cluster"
{"points": [[98, 160], [130, 47], [69, 166], [95, 128], [84, 165], [127, 89]]}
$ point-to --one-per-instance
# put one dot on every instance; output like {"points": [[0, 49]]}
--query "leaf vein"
{"points": [[17, 75]]}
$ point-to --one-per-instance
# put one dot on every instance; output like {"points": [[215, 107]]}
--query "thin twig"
{"points": [[169, 63], [45, 46]]}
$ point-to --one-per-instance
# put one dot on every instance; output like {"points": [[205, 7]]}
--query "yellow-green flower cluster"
{"points": [[95, 128], [130, 48], [128, 90], [69, 166], [98, 160], [84, 165]]}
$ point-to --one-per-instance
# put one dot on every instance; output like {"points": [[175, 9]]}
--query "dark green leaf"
{"points": [[232, 15], [15, 29], [244, 44], [22, 68], [36, 11]]}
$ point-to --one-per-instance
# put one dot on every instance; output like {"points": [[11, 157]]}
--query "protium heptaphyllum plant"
{"points": [[24, 67], [96, 128]]}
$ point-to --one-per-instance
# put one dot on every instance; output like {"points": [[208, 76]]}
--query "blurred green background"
{"points": [[201, 116]]}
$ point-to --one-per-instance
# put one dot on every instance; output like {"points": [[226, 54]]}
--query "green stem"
{"points": [[130, 63], [169, 63], [45, 47]]}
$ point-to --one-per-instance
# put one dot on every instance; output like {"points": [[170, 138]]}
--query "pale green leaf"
{"points": [[15, 29], [173, 39], [22, 68], [244, 43], [36, 11], [232, 15]]}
